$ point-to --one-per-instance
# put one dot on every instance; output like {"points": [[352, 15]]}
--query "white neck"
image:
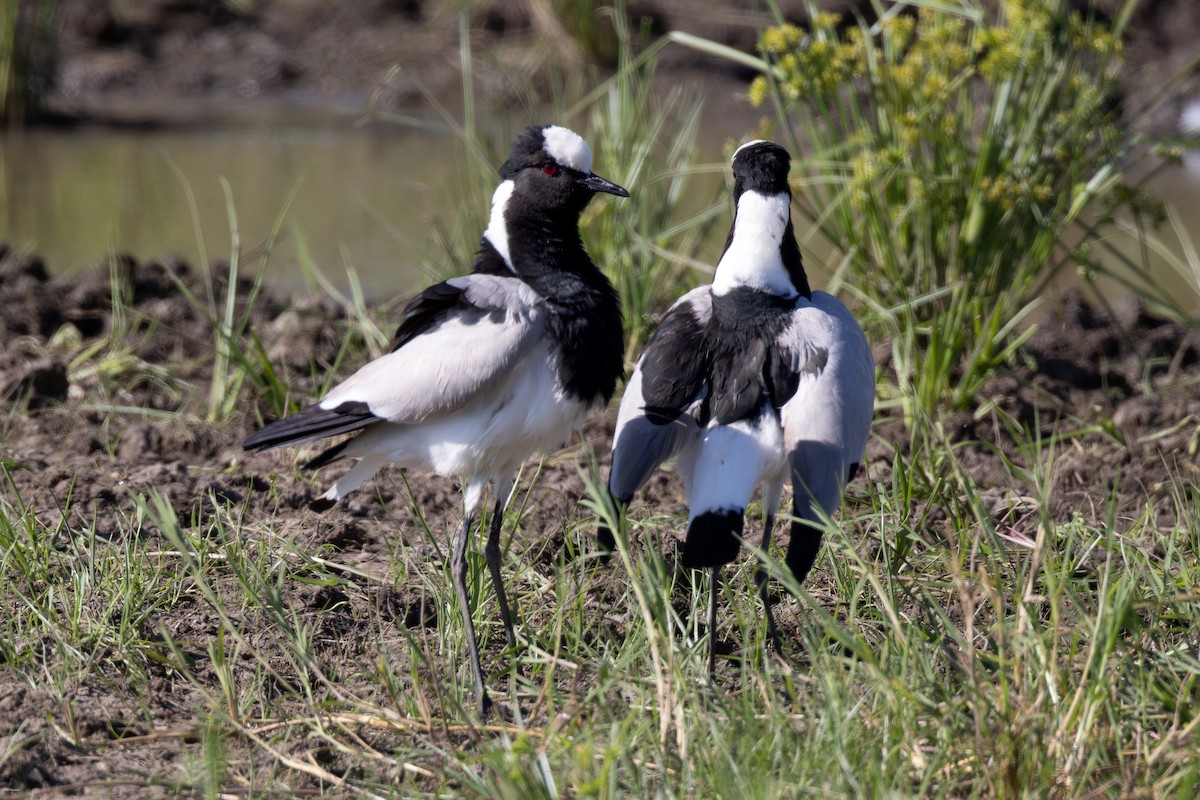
{"points": [[753, 259], [497, 231]]}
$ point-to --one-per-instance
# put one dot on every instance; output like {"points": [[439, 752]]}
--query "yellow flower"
{"points": [[935, 84], [827, 20], [758, 91], [866, 168], [916, 188], [781, 38], [899, 29]]}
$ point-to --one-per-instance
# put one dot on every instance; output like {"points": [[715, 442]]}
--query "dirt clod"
{"points": [[125, 432]]}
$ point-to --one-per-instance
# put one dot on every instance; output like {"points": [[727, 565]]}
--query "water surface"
{"points": [[365, 197], [371, 198]]}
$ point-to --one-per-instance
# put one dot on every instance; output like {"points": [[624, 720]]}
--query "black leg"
{"points": [[604, 534], [714, 584], [803, 548], [492, 553], [761, 575], [459, 568]]}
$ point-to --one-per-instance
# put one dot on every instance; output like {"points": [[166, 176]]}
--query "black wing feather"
{"points": [[673, 369], [783, 379], [311, 423], [426, 311], [737, 381]]}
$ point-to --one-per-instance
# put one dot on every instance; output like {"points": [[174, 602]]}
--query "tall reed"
{"points": [[646, 245], [946, 151], [26, 30]]}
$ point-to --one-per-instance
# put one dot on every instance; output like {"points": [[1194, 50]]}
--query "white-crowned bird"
{"points": [[489, 368], [749, 381]]}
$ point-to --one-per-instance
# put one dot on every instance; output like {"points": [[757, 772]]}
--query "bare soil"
{"points": [[1119, 384], [173, 61], [1123, 385]]}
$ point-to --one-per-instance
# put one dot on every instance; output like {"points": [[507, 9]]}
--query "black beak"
{"points": [[598, 184]]}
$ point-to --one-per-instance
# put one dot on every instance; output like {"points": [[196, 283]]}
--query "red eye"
{"points": [[735, 175], [550, 169]]}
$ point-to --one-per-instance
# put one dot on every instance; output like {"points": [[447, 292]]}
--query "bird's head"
{"points": [[551, 170], [761, 251], [760, 166]]}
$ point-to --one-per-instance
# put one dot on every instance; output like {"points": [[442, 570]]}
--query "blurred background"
{"points": [[343, 133]]}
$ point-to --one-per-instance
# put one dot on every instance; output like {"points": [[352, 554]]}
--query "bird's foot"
{"points": [[485, 705]]}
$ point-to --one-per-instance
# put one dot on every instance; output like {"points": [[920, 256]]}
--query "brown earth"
{"points": [[155, 61], [1123, 386]]}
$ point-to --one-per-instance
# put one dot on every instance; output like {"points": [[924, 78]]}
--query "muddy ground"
{"points": [[1126, 384], [155, 61]]}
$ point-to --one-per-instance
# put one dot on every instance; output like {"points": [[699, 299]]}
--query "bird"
{"points": [[748, 381], [488, 368]]}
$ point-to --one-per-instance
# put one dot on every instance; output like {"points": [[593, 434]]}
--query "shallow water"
{"points": [[364, 196], [367, 198]]}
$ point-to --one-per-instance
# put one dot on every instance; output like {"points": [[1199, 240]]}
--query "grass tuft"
{"points": [[952, 154]]}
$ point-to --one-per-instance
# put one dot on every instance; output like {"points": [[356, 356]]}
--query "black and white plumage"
{"points": [[749, 381], [491, 367]]}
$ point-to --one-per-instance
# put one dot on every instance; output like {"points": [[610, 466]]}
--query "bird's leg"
{"points": [[458, 567], [762, 577], [605, 536], [492, 553], [714, 583]]}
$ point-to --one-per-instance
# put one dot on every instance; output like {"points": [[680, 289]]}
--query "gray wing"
{"points": [[658, 409], [479, 329], [827, 417]]}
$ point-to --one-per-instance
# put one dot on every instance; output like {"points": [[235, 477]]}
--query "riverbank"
{"points": [[171, 62]]}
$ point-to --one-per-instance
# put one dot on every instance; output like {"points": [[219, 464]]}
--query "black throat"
{"points": [[789, 251], [585, 315]]}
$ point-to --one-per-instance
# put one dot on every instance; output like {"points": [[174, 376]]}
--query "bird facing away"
{"points": [[748, 381], [488, 368]]}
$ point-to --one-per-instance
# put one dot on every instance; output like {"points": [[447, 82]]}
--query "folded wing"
{"points": [[458, 339], [662, 401]]}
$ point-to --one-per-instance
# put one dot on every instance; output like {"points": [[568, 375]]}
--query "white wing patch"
{"points": [[497, 231], [568, 148], [753, 259]]}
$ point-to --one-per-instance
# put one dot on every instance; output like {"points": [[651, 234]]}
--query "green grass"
{"points": [[26, 34], [946, 646], [952, 154], [982, 656]]}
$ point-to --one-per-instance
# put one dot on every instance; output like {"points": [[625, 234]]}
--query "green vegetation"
{"points": [[649, 247], [960, 637], [1046, 656], [953, 154], [26, 28]]}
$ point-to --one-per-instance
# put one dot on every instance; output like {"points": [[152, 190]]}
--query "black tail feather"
{"points": [[321, 504], [606, 539], [713, 538], [311, 423], [803, 547]]}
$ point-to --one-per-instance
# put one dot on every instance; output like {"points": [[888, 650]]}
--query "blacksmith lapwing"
{"points": [[750, 380], [489, 368]]}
